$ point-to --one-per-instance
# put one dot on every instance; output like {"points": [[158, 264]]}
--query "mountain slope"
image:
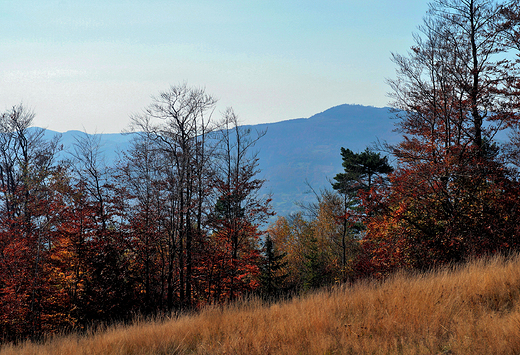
{"points": [[295, 151]]}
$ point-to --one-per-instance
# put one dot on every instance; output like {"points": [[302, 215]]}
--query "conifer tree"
{"points": [[360, 171], [272, 276]]}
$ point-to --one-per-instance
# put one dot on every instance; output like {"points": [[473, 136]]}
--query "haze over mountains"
{"points": [[296, 151], [308, 149]]}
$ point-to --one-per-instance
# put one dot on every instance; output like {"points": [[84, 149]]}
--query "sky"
{"points": [[90, 65]]}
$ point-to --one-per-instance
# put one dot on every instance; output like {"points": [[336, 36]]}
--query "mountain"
{"points": [[294, 152], [110, 144], [297, 151]]}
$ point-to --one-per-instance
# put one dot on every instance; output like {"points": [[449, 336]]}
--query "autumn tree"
{"points": [[196, 211], [178, 121], [108, 291], [290, 234], [175, 225], [144, 177], [318, 251], [239, 209], [28, 210], [452, 94]]}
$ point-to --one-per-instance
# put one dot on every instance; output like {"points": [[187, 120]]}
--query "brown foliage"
{"points": [[470, 309]]}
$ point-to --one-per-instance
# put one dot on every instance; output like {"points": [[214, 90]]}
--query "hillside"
{"points": [[295, 151], [470, 309]]}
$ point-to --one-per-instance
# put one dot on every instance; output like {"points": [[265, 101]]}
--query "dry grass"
{"points": [[473, 309]]}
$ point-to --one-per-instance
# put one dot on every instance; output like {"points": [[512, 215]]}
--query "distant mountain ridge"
{"points": [[308, 149], [296, 150]]}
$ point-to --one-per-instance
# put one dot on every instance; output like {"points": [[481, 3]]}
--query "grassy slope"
{"points": [[474, 309]]}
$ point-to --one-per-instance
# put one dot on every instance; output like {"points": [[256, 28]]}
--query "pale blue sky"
{"points": [[91, 64]]}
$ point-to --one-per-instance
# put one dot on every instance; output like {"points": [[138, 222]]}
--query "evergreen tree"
{"points": [[273, 275], [360, 171], [316, 273]]}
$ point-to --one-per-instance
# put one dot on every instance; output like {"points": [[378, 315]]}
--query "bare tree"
{"points": [[91, 169], [183, 117], [458, 76]]}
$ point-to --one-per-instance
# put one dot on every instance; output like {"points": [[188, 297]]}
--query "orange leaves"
{"points": [[227, 270], [451, 195]]}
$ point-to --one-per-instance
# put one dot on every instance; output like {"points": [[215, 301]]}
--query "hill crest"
{"points": [[294, 152]]}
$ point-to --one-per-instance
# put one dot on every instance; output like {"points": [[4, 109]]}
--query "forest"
{"points": [[179, 223]]}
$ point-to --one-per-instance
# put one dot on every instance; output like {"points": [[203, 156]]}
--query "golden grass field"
{"points": [[470, 309]]}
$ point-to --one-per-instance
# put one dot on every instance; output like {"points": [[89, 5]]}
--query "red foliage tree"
{"points": [[238, 213], [451, 196]]}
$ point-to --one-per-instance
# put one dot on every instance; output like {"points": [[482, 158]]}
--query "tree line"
{"points": [[173, 225], [452, 190]]}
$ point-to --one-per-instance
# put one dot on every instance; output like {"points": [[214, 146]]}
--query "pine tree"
{"points": [[315, 272], [272, 268], [361, 170]]}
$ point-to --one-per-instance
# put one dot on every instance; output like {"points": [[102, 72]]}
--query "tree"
{"points": [[239, 210], [28, 210], [290, 235], [107, 294], [143, 176], [91, 169], [361, 172], [272, 277], [452, 94], [184, 116], [459, 75], [318, 251]]}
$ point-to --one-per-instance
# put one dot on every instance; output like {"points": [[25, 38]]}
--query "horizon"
{"points": [[240, 123]]}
